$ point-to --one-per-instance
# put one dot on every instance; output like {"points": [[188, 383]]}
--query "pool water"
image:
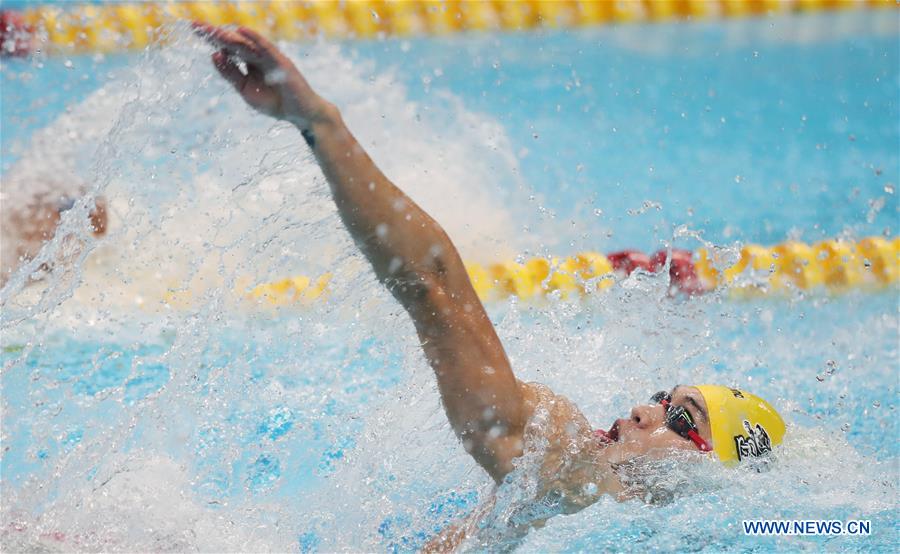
{"points": [[147, 406]]}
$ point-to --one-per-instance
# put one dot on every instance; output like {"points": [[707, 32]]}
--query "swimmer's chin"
{"points": [[631, 453]]}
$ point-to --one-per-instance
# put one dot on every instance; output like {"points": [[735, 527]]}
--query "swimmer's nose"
{"points": [[646, 417]]}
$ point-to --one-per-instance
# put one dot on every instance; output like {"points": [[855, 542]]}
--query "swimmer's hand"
{"points": [[269, 81]]}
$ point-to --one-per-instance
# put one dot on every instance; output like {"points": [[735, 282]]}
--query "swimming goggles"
{"points": [[679, 420]]}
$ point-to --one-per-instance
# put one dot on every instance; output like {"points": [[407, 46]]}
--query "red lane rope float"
{"points": [[16, 36], [123, 26], [834, 265]]}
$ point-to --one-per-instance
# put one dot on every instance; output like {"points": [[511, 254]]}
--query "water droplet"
{"points": [[68, 64], [876, 404], [395, 265], [845, 427], [889, 188]]}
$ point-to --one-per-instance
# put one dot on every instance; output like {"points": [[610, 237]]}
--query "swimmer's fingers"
{"points": [[216, 36], [267, 79], [243, 42], [228, 69], [260, 41], [250, 85]]}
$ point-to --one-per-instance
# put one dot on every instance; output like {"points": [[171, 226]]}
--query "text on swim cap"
{"points": [[756, 443]]}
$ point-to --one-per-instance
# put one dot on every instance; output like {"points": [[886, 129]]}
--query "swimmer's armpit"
{"points": [[309, 138]]}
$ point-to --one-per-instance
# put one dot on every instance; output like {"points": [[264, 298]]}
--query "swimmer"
{"points": [[26, 228], [488, 408]]}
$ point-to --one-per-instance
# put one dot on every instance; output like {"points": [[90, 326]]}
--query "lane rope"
{"points": [[130, 26], [834, 265]]}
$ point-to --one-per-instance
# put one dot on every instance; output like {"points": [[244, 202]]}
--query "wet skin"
{"points": [[36, 223], [645, 431], [489, 409]]}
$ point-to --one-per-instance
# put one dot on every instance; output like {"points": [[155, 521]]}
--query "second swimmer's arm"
{"points": [[410, 253]]}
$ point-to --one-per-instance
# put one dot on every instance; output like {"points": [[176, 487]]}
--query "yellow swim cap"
{"points": [[743, 424]]}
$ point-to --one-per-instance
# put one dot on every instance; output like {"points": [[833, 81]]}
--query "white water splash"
{"points": [[206, 194]]}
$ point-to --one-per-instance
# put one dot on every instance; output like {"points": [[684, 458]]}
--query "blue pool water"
{"points": [[147, 407]]}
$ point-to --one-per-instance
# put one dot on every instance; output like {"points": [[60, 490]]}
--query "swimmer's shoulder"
{"points": [[549, 407], [569, 452]]}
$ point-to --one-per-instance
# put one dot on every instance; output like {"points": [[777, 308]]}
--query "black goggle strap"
{"points": [[660, 397]]}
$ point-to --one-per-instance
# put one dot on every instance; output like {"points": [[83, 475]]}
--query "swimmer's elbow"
{"points": [[420, 293]]}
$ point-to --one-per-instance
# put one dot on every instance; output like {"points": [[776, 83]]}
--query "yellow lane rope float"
{"points": [[834, 265], [122, 26]]}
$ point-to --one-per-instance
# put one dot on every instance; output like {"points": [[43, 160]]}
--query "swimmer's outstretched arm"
{"points": [[410, 253]]}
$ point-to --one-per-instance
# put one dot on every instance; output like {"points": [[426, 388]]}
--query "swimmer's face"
{"points": [[645, 432]]}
